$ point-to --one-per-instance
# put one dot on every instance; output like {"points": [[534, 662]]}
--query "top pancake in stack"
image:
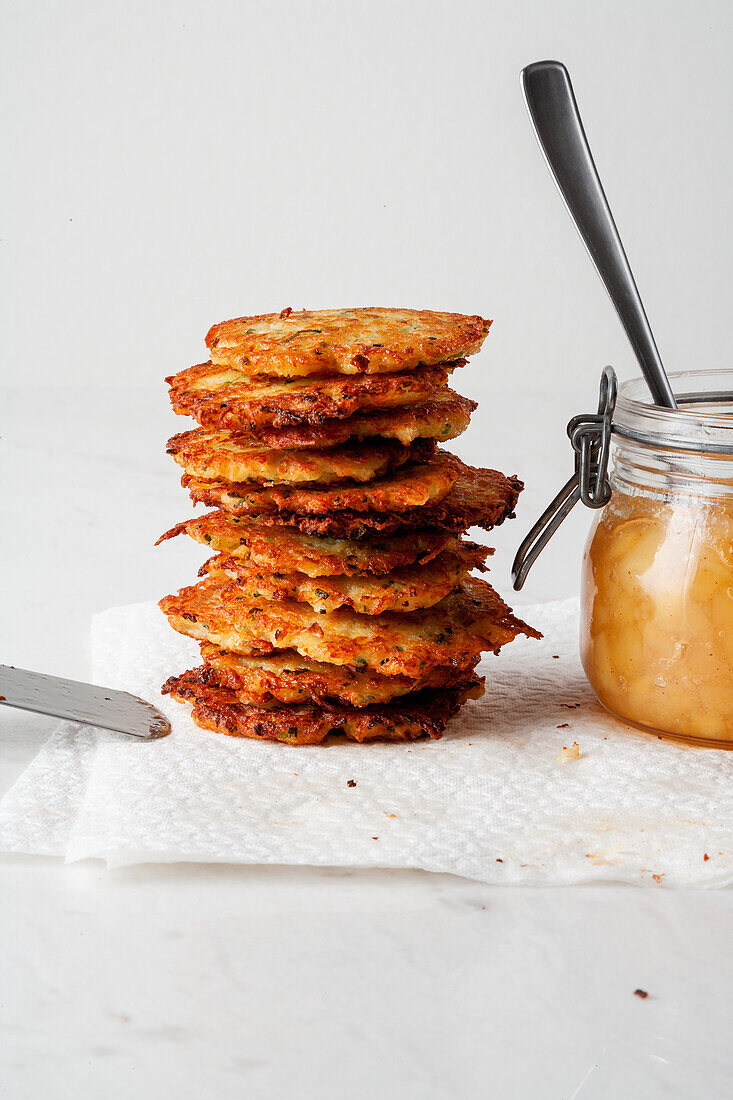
{"points": [[340, 595]]}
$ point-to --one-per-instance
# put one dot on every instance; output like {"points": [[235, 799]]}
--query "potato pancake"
{"points": [[402, 590], [443, 417], [478, 498], [286, 677], [472, 619], [374, 340], [219, 397], [233, 457], [287, 550], [414, 487], [218, 709]]}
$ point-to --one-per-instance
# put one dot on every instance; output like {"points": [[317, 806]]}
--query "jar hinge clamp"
{"points": [[590, 436]]}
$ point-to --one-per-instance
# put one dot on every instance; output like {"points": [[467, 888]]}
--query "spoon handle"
{"points": [[556, 120]]}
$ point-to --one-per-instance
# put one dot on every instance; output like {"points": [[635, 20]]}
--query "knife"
{"points": [[85, 703]]}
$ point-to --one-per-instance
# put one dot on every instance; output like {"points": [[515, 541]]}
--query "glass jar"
{"points": [[657, 589]]}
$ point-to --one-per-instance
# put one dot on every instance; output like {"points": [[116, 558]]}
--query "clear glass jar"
{"points": [[657, 591]]}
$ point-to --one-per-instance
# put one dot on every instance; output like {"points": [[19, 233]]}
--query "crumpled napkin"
{"points": [[490, 801]]}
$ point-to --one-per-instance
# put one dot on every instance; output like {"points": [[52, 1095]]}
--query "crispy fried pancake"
{"points": [[402, 590], [219, 397], [233, 457], [443, 417], [374, 340], [478, 498], [286, 677], [286, 550], [472, 619], [413, 487], [218, 709]]}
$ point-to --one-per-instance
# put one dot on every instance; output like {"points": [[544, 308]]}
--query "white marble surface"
{"points": [[184, 981]]}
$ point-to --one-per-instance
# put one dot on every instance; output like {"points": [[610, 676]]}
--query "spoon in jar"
{"points": [[557, 124]]}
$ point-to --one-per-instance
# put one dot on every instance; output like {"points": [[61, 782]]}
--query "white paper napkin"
{"points": [[490, 801]]}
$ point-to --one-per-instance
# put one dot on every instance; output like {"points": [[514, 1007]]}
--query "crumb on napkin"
{"points": [[571, 753]]}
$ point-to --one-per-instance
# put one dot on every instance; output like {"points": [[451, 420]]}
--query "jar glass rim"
{"points": [[702, 423]]}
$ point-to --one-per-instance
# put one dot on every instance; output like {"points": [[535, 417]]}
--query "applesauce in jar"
{"points": [[657, 595]]}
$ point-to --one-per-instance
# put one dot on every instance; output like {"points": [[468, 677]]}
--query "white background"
{"points": [[168, 165]]}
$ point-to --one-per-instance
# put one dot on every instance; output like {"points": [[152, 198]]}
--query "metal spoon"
{"points": [[556, 120]]}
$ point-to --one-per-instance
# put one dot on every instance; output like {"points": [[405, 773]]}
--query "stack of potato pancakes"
{"points": [[340, 597]]}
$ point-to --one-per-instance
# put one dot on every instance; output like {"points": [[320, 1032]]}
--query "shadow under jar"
{"points": [[657, 588]]}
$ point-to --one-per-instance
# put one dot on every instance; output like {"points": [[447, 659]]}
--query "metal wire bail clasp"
{"points": [[590, 436]]}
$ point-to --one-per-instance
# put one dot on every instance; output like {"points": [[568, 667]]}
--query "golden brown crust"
{"points": [[229, 456], [413, 487], [443, 417], [286, 677], [478, 498], [217, 708], [285, 549], [369, 340], [402, 590], [220, 397], [472, 619]]}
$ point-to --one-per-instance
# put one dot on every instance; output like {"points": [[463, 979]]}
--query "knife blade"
{"points": [[85, 703]]}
